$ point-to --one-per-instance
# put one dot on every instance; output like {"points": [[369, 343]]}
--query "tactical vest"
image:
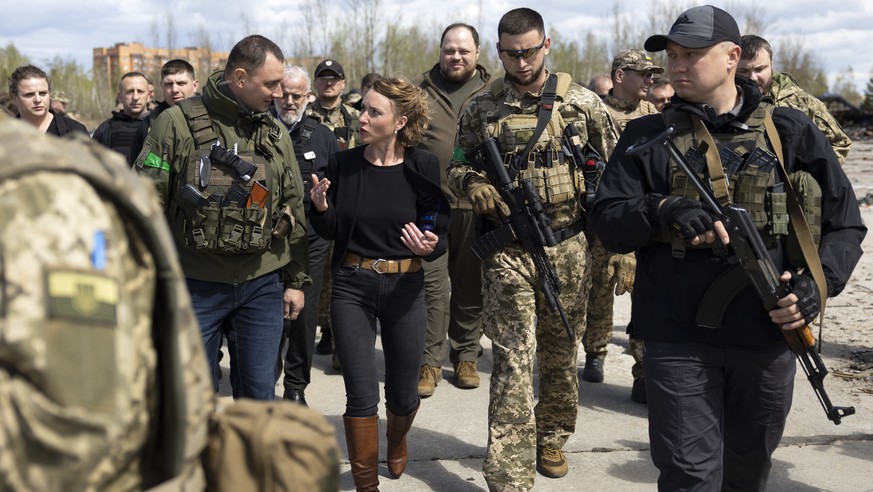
{"points": [[753, 183], [226, 212], [547, 167], [121, 135]]}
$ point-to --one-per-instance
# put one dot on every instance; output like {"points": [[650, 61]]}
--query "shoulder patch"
{"points": [[81, 296]]}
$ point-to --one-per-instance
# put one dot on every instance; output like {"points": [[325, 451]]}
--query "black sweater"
{"points": [[344, 169]]}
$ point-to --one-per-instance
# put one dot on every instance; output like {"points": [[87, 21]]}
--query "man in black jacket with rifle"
{"points": [[719, 372]]}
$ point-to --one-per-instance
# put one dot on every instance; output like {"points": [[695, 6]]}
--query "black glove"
{"points": [[803, 286], [684, 216]]}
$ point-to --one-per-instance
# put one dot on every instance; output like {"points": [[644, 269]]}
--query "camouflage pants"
{"points": [[598, 325], [520, 325], [599, 322]]}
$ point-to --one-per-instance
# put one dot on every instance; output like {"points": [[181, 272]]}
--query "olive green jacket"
{"points": [[786, 93], [439, 139], [165, 155]]}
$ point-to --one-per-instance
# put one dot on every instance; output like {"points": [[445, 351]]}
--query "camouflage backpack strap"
{"points": [[199, 121], [163, 458]]}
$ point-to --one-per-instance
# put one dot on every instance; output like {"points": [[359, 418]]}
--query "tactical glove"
{"points": [[485, 198], [622, 268], [685, 216], [803, 286]]}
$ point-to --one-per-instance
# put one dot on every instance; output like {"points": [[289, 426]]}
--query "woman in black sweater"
{"points": [[29, 88], [382, 205]]}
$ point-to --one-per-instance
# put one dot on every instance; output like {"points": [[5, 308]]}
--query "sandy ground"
{"points": [[848, 341]]}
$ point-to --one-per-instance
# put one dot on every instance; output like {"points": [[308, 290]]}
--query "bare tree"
{"points": [[790, 56]]}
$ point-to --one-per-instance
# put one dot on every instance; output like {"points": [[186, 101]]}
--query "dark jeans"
{"points": [[301, 332], [716, 412], [251, 314], [360, 297]]}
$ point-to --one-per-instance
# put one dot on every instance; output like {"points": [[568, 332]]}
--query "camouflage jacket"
{"points": [[786, 93], [622, 111], [166, 154], [581, 107], [87, 312], [342, 120]]}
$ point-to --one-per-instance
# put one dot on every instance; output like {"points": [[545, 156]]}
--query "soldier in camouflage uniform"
{"points": [[632, 74], [756, 63], [523, 436], [80, 332]]}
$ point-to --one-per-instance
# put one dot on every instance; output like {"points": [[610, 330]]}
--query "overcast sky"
{"points": [[839, 33]]}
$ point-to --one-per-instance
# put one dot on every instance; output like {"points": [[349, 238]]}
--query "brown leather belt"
{"points": [[382, 266]]}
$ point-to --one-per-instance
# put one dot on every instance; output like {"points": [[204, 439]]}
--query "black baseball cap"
{"points": [[698, 27], [329, 67]]}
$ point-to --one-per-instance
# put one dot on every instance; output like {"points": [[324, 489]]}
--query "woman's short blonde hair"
{"points": [[409, 101]]}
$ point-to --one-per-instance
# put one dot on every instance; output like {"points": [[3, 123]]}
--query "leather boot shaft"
{"points": [[362, 440], [398, 427]]}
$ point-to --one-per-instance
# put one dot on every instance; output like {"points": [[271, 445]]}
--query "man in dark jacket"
{"points": [[455, 310], [314, 143], [178, 82], [118, 132], [718, 398]]}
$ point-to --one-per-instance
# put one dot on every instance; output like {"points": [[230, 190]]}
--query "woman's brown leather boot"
{"points": [[362, 440], [396, 434]]}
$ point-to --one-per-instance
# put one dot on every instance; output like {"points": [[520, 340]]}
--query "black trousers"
{"points": [[716, 412], [360, 298], [301, 332]]}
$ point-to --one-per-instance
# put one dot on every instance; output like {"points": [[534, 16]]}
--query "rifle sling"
{"points": [[799, 224], [547, 103], [727, 286]]}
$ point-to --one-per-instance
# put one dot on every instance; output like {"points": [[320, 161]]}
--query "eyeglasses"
{"points": [[294, 97], [642, 74], [525, 54]]}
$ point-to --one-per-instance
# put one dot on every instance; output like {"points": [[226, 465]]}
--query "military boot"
{"points": [[428, 378], [551, 462], [593, 371], [466, 376]]}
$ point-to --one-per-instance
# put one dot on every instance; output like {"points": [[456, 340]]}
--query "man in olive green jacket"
{"points": [[455, 310], [226, 172]]}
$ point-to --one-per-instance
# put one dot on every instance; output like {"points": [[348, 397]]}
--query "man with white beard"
{"points": [[314, 144]]}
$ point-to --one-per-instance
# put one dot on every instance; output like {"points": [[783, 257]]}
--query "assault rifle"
{"points": [[527, 223], [754, 259]]}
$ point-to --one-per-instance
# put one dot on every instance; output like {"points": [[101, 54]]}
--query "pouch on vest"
{"points": [[547, 166], [216, 194], [809, 196]]}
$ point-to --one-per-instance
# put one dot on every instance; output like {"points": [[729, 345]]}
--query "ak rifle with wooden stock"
{"points": [[752, 255]]}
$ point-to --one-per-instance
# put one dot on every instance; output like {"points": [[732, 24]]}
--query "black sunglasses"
{"points": [[526, 53]]}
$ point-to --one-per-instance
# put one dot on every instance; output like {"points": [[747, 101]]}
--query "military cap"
{"points": [[637, 60], [698, 27], [329, 67], [60, 97]]}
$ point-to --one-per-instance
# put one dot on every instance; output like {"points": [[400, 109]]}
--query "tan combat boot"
{"points": [[428, 378], [466, 376], [551, 462]]}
